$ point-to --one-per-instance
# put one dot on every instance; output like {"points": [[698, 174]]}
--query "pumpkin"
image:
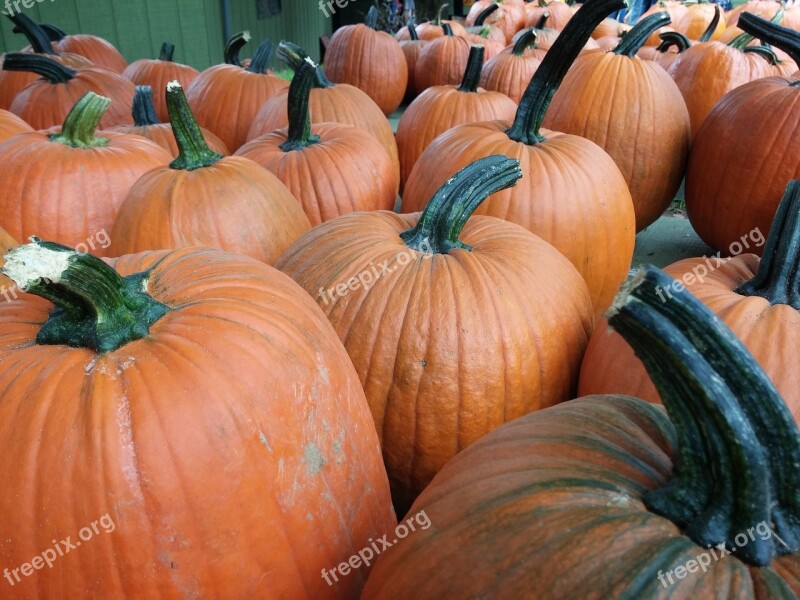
{"points": [[433, 29], [510, 71], [11, 125], [47, 101], [442, 61], [147, 124], [157, 73], [369, 59], [607, 28], [670, 49], [482, 29], [328, 103], [324, 166], [646, 131], [761, 8], [676, 9], [711, 484], [544, 35], [205, 199], [758, 299], [67, 185], [744, 153], [442, 107], [697, 19], [491, 48], [200, 395], [411, 49], [8, 289], [510, 16], [558, 15], [99, 51], [225, 98], [233, 47], [572, 194], [499, 319]]}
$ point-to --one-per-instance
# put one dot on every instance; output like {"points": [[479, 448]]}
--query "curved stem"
{"points": [[294, 56], [540, 23], [56, 34], [554, 67], [764, 52], [299, 116], [472, 74], [482, 16], [712, 26], [194, 152], [233, 46], [439, 12], [737, 461], [82, 121], [371, 20], [771, 33], [144, 111], [445, 215], [262, 58], [637, 36], [36, 36], [525, 41], [673, 38], [412, 32], [167, 51], [96, 308], [43, 66]]}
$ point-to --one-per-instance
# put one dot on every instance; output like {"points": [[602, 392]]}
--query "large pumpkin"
{"points": [[331, 169], [612, 497], [67, 185], [205, 199], [210, 415], [11, 125], [454, 326], [571, 194], [98, 50], [510, 71]]}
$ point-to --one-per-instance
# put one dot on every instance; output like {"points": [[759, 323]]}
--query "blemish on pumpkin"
{"points": [[313, 459], [264, 441], [309, 517], [424, 362]]}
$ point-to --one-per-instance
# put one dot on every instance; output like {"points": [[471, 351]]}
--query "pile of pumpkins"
{"points": [[261, 331]]}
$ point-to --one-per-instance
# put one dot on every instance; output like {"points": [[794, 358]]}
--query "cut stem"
{"points": [[262, 58], [43, 66], [36, 36], [167, 52], [673, 38], [82, 121], [299, 116], [294, 56], [484, 14], [144, 111], [634, 39], [771, 33], [525, 41], [194, 152], [472, 74], [234, 46]]}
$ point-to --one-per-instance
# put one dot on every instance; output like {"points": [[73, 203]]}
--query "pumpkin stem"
{"points": [[194, 152], [554, 67], [81, 123], [634, 39], [448, 30], [771, 33], [262, 58], [741, 41], [43, 66], [371, 20], [299, 115], [294, 56], [445, 215], [167, 51], [439, 12], [233, 46], [412, 33], [525, 41], [540, 23], [737, 457], [712, 26], [673, 38], [472, 74], [144, 111], [765, 52], [56, 34], [482, 16], [36, 36], [96, 308]]}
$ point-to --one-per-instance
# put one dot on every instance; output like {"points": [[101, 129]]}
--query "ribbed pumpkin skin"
{"points": [[643, 125], [11, 125], [13, 82], [6, 242], [162, 135], [342, 103], [741, 160], [411, 50], [697, 19], [226, 98], [571, 194], [157, 74], [234, 205], [510, 74], [231, 438], [450, 346], [441, 108], [43, 104], [442, 62], [99, 51], [346, 171], [768, 331], [522, 513], [371, 61], [66, 194]]}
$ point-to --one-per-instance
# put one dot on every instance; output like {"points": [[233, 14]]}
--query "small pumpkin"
{"points": [[509, 17], [331, 169], [99, 51], [431, 30], [499, 319], [484, 30], [558, 15], [157, 73], [11, 125], [510, 71], [205, 199], [699, 16], [442, 61]]}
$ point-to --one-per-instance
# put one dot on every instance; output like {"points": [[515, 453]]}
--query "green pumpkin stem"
{"points": [[771, 33], [412, 33], [36, 36], [194, 152], [447, 212], [294, 56], [542, 20], [712, 26], [737, 456], [167, 52], [56, 34], [741, 41], [144, 111], [43, 66], [262, 58], [96, 308], [554, 67], [371, 20], [673, 38], [299, 116], [448, 31], [634, 39], [234, 46], [524, 41], [438, 21], [484, 14], [472, 74], [81, 123], [765, 52]]}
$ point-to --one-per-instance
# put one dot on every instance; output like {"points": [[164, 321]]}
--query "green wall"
{"points": [[138, 27]]}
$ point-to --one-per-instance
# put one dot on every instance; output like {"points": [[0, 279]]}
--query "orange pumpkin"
{"points": [[697, 19], [499, 319], [8, 288], [411, 50], [558, 15], [510, 71], [331, 169], [442, 61], [68, 185], [11, 125], [487, 31], [510, 16], [761, 8], [433, 29], [205, 199], [672, 45], [99, 51], [202, 396]]}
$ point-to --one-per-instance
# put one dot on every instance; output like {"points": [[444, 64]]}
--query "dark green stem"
{"points": [[412, 33], [445, 215], [234, 46], [371, 20], [299, 116], [167, 52], [144, 111], [95, 307], [737, 460], [294, 56], [36, 36], [43, 66], [56, 34], [448, 31], [554, 67], [764, 52], [673, 38], [472, 74], [637, 36], [194, 151], [712, 27], [525, 41], [262, 58], [540, 23], [439, 12], [81, 123], [771, 33], [484, 14]]}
